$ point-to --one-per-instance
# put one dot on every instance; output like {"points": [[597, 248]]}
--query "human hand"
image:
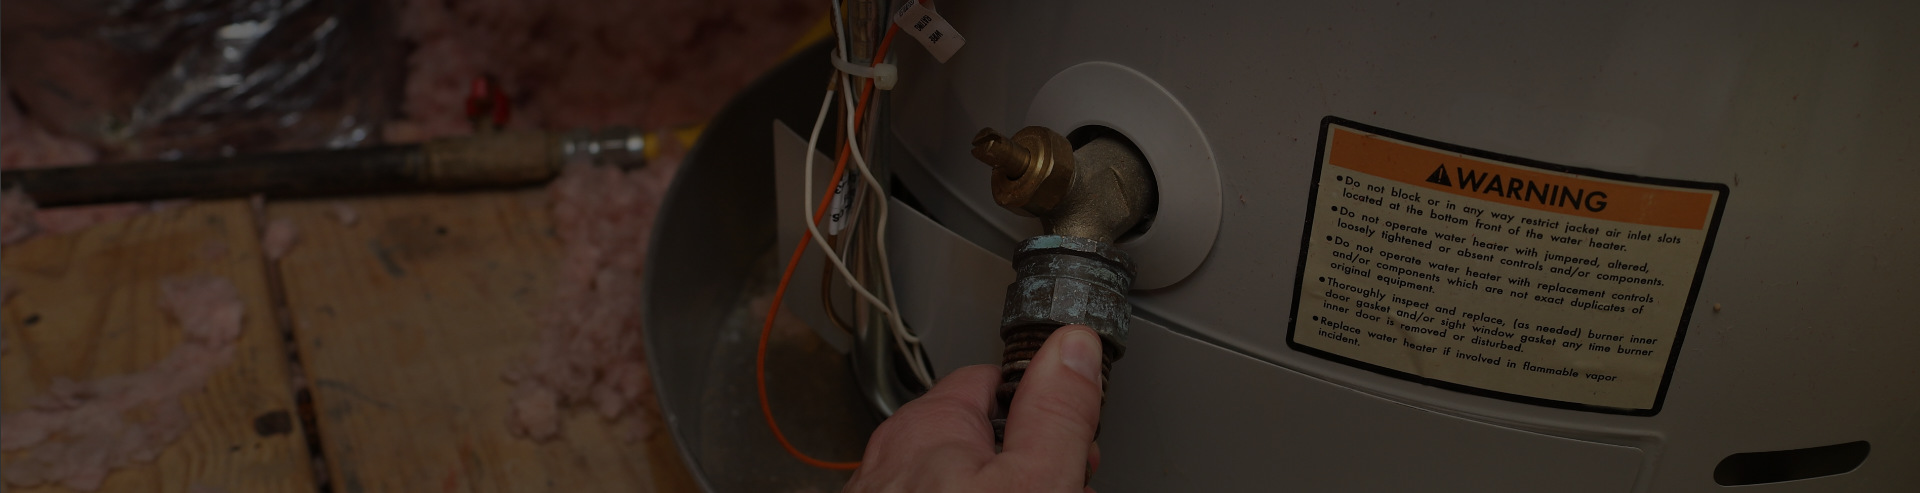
{"points": [[943, 441]]}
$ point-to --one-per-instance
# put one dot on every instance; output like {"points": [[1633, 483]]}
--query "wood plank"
{"points": [[88, 306], [406, 321]]}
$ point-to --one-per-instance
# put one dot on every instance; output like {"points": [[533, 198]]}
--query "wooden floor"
{"points": [[402, 322]]}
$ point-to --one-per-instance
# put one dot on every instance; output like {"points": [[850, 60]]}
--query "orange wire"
{"points": [[773, 309]]}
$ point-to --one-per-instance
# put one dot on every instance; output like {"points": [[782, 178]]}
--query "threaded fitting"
{"points": [[1061, 280]]}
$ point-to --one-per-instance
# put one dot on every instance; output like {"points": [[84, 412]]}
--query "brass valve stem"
{"points": [[1008, 159]]}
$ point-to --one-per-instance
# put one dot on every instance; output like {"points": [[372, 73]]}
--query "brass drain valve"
{"points": [[1085, 198]]}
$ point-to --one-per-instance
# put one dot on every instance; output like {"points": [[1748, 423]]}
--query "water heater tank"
{"points": [[1453, 246]]}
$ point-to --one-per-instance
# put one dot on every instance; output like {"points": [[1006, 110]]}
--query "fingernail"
{"points": [[1080, 351]]}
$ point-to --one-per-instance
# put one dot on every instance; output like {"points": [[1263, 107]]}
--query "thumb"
{"points": [[1052, 419]]}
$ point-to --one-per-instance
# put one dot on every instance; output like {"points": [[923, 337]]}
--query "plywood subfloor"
{"points": [[88, 306], [405, 321]]}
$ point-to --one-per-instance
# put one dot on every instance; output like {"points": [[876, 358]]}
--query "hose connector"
{"points": [[1086, 198]]}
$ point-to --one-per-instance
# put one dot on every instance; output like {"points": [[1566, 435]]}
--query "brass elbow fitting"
{"points": [[1098, 191], [1086, 198]]}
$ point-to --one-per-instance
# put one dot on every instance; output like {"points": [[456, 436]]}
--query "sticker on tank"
{"points": [[1496, 275]]}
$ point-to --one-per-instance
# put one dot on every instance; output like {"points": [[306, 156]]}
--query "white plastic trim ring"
{"points": [[1120, 98]]}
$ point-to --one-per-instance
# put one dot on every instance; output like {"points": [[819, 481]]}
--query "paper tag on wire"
{"points": [[840, 211], [927, 27]]}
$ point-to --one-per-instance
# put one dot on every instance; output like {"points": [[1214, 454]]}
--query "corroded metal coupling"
{"points": [[1086, 198], [1060, 281]]}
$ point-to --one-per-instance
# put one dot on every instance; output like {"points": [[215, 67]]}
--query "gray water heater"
{"points": [[1460, 246]]}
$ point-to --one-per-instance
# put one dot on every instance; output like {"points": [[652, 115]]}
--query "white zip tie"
{"points": [[884, 75]]}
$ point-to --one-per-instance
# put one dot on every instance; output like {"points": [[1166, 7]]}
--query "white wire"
{"points": [[866, 176], [839, 33], [904, 340], [911, 351], [806, 201], [840, 51], [907, 343]]}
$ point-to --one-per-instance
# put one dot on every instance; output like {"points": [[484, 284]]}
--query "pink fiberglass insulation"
{"points": [[21, 220], [16, 217], [589, 353], [25, 144], [346, 214], [589, 64], [279, 238], [77, 432]]}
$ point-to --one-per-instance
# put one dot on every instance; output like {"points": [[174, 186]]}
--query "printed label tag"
{"points": [[1496, 275], [841, 210], [927, 27]]}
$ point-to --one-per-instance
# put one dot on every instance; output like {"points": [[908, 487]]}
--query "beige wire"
{"points": [[905, 340]]}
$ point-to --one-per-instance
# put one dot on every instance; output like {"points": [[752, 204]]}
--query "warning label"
{"points": [[1497, 275]]}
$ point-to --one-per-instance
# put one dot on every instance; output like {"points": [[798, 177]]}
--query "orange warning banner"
{"points": [[1517, 185]]}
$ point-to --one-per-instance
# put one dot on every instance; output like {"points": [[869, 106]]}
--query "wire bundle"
{"points": [[864, 240]]}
